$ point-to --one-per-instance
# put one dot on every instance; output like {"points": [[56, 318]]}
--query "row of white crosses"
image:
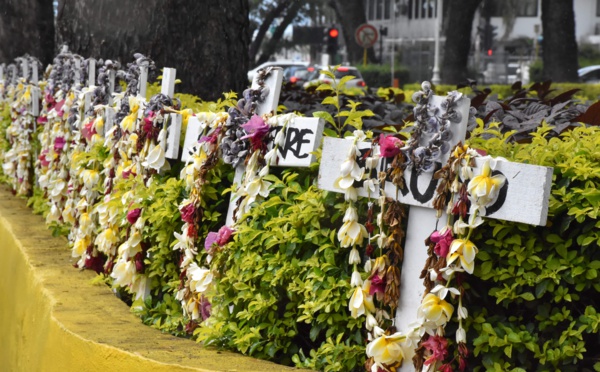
{"points": [[524, 199]]}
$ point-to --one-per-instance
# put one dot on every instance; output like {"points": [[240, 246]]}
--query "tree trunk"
{"points": [[559, 45], [264, 27], [351, 14], [458, 41], [26, 26], [271, 46], [205, 40]]}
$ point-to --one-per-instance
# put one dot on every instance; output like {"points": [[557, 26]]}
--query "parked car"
{"points": [[589, 74], [282, 64], [341, 71], [298, 75]]}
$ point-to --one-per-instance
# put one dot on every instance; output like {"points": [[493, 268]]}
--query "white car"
{"points": [[341, 71], [283, 64], [589, 74]]}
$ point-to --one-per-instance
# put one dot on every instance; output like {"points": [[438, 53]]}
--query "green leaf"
{"points": [[324, 115]]}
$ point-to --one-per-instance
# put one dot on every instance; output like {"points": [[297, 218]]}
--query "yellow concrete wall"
{"points": [[53, 319]]}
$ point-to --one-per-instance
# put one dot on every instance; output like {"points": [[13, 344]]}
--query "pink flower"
{"points": [[59, 144], [212, 138], [149, 122], [443, 241], [256, 129], [43, 160], [42, 120], [88, 130], [133, 215], [377, 285], [223, 235], [389, 146], [211, 239], [220, 238], [188, 212], [438, 347]]}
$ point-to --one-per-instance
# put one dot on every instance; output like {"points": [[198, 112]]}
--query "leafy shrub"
{"points": [[284, 282], [380, 75], [539, 284]]}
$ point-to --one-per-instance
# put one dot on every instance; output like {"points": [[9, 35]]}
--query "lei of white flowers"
{"points": [[197, 279], [19, 159], [435, 311], [254, 186]]}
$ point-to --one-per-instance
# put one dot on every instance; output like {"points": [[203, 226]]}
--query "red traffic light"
{"points": [[333, 32]]}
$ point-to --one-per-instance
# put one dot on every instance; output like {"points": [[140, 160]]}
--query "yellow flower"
{"points": [[361, 301], [386, 349], [80, 246], [435, 309], [485, 187], [466, 251]]}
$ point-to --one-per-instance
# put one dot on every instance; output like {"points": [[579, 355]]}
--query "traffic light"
{"points": [[331, 39], [488, 34]]}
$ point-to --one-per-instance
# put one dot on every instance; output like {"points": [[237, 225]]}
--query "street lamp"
{"points": [[436, 56]]}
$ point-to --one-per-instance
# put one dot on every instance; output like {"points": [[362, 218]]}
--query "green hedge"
{"points": [[380, 75]]}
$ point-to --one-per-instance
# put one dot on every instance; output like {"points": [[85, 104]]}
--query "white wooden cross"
{"points": [[171, 144], [524, 198], [91, 84], [302, 137]]}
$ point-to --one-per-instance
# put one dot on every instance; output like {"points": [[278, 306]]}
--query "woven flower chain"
{"points": [[461, 194], [240, 136], [18, 161]]}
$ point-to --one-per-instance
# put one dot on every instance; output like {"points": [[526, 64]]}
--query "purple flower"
{"points": [[205, 308], [442, 242], [211, 239], [212, 138], [133, 215], [389, 146]]}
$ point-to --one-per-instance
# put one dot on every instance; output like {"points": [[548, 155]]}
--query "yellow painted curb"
{"points": [[53, 319]]}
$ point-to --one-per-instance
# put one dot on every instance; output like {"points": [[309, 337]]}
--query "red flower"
{"points": [[446, 368], [377, 285], [188, 213], [43, 160], [139, 262], [443, 241], [438, 347], [389, 146], [133, 215]]}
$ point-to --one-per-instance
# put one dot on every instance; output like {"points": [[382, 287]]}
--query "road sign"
{"points": [[366, 35]]}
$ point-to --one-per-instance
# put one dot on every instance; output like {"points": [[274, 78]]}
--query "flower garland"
{"points": [[195, 280], [19, 160]]}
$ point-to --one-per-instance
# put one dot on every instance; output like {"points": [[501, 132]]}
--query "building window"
{"points": [[523, 8], [387, 7], [597, 8], [527, 8], [369, 8], [379, 9], [422, 9]]}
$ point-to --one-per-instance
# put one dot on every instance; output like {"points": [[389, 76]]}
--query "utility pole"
{"points": [[436, 56]]}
